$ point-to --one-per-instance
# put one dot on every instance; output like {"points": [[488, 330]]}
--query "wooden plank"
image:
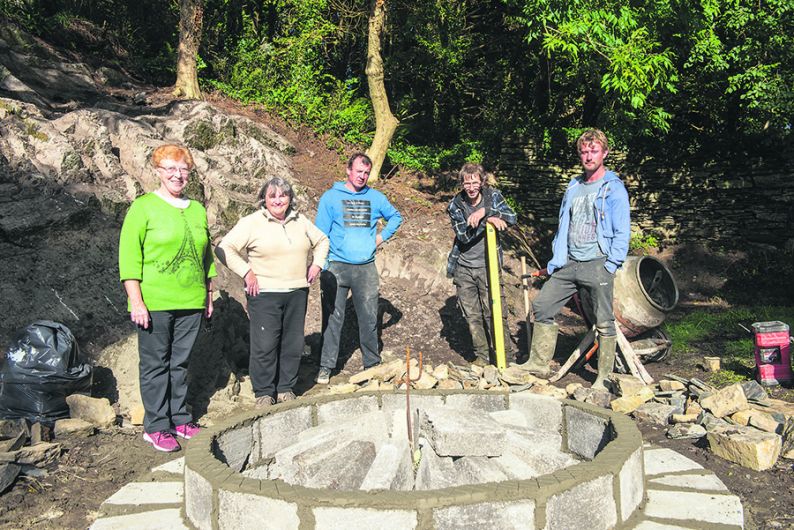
{"points": [[585, 343], [635, 366]]}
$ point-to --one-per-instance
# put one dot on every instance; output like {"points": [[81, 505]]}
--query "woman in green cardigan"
{"points": [[166, 266]]}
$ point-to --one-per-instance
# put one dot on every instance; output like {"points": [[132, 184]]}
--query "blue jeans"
{"points": [[335, 283], [588, 275], [164, 352]]}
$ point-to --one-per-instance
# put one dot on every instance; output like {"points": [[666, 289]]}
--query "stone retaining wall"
{"points": [[693, 203], [601, 492]]}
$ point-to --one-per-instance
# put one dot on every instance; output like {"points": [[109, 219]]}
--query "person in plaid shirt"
{"points": [[469, 211]]}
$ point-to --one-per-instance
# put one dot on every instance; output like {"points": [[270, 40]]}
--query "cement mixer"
{"points": [[644, 293]]}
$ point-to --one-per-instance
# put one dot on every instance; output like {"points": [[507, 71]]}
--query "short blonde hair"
{"points": [[591, 136], [172, 152]]}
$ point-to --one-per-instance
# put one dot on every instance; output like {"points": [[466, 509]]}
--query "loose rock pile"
{"points": [[740, 422], [28, 450]]}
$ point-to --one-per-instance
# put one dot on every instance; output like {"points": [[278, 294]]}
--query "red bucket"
{"points": [[772, 353]]}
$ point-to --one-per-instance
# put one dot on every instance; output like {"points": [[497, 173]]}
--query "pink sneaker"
{"points": [[162, 441], [187, 431]]}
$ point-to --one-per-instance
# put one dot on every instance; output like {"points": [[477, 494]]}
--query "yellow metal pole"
{"points": [[496, 297]]}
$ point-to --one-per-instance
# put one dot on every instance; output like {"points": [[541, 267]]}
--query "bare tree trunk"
{"points": [[191, 19], [385, 122]]}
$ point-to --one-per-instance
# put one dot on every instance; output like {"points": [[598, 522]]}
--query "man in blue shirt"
{"points": [[591, 243], [348, 214]]}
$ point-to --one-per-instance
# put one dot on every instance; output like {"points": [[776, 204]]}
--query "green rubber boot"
{"points": [[606, 360], [544, 341]]}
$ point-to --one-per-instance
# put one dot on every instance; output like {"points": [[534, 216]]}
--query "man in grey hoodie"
{"points": [[591, 243]]}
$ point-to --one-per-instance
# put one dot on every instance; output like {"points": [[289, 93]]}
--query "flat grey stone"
{"points": [[398, 428], [663, 461], [346, 409], [175, 466], [682, 431], [650, 525], [235, 446], [692, 506], [371, 426], [8, 474], [655, 413], [394, 402], [198, 500], [486, 516], [138, 493], [477, 402], [632, 485], [542, 412], [462, 433], [540, 450], [392, 469], [589, 505], [258, 472], [695, 482], [515, 467], [274, 433], [344, 468], [242, 510], [363, 519], [510, 417], [587, 433], [434, 472], [753, 390], [155, 520], [284, 466], [478, 470]]}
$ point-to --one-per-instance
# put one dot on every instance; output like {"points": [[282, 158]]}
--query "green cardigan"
{"points": [[167, 249]]}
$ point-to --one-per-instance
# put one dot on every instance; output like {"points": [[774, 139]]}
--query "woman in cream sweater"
{"points": [[285, 254]]}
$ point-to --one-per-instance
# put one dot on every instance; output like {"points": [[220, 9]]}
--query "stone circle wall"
{"points": [[682, 204], [601, 492]]}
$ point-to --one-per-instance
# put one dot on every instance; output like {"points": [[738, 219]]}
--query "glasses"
{"points": [[174, 170]]}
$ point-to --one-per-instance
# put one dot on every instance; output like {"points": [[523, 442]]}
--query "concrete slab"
{"points": [[541, 412], [478, 402], [242, 510], [587, 433], [138, 493], [176, 466], [479, 470], [434, 472], [371, 426], [650, 525], [363, 519], [515, 467], [632, 485], [198, 500], [462, 433], [510, 417], [392, 469], [235, 446], [344, 409], [691, 506], [169, 519], [593, 506], [664, 461], [274, 433], [695, 482], [486, 516]]}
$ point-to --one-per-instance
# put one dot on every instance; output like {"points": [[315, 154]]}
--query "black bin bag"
{"points": [[40, 368]]}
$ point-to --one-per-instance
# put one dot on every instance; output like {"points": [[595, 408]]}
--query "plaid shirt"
{"points": [[495, 206]]}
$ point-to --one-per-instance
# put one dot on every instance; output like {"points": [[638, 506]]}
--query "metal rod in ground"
{"points": [[496, 297]]}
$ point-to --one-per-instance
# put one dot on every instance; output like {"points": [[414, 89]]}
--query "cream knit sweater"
{"points": [[278, 253]]}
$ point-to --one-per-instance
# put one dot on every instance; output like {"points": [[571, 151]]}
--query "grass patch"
{"points": [[718, 333]]}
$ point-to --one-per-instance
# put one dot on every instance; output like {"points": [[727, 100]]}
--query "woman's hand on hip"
{"points": [[139, 314], [313, 273], [251, 284], [209, 308]]}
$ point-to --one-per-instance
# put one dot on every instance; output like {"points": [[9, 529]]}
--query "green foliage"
{"points": [[432, 159], [642, 243]]}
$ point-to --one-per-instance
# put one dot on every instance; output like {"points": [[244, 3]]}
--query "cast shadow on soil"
{"points": [[349, 342]]}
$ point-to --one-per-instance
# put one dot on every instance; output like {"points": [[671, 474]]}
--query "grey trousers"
{"points": [[164, 352], [335, 283], [588, 275], [475, 304]]}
